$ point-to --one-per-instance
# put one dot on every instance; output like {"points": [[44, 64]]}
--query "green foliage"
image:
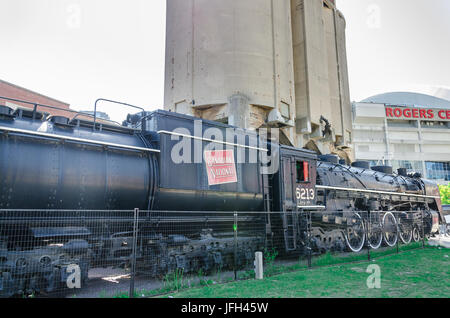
{"points": [[203, 281], [445, 194], [270, 256], [248, 274], [174, 281], [269, 262]]}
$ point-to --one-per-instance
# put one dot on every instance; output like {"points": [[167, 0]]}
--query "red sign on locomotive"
{"points": [[220, 166]]}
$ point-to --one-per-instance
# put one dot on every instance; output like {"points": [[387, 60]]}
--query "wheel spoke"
{"points": [[355, 235], [390, 229]]}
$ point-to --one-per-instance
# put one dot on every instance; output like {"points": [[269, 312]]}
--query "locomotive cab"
{"points": [[296, 179], [294, 190]]}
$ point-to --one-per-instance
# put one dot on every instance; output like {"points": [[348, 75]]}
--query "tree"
{"points": [[445, 194]]}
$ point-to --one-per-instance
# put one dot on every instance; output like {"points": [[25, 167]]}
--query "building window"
{"points": [[410, 166], [434, 124], [438, 170]]}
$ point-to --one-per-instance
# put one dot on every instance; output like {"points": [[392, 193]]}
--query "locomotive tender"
{"points": [[63, 181]]}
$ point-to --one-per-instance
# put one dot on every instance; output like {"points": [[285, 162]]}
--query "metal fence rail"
{"points": [[144, 253]]}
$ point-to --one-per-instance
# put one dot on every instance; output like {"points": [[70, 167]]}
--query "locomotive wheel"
{"points": [[375, 235], [390, 229], [405, 229], [355, 235], [416, 234]]}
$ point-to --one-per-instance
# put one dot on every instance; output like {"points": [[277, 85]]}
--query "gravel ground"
{"points": [[110, 282]]}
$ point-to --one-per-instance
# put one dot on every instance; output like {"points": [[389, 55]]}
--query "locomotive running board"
{"points": [[375, 191], [87, 141], [312, 207]]}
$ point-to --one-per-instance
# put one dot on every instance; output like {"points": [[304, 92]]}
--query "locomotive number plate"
{"points": [[305, 196]]}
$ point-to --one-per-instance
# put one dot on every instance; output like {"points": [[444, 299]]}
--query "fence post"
{"points": [[308, 230], [133, 256], [235, 228], [423, 232], [369, 224], [398, 233], [259, 270]]}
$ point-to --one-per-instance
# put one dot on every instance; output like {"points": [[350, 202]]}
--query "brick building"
{"points": [[16, 92]]}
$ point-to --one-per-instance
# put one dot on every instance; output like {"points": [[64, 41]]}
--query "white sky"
{"points": [[80, 50], [397, 45]]}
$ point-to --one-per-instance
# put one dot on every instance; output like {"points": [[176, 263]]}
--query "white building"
{"points": [[404, 130]]}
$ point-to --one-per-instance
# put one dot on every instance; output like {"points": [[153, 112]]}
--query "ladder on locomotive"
{"points": [[298, 224], [267, 193], [290, 232]]}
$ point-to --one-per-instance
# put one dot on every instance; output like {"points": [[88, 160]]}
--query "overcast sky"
{"points": [[397, 45], [80, 50]]}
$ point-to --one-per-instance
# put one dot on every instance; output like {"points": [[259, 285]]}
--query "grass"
{"points": [[412, 274], [271, 268]]}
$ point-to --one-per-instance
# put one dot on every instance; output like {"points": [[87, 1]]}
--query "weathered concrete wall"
{"points": [[311, 65], [321, 76], [219, 49], [260, 63], [344, 86]]}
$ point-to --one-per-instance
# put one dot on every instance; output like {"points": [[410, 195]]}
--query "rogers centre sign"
{"points": [[409, 113]]}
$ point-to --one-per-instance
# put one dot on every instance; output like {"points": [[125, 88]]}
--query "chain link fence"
{"points": [[147, 253]]}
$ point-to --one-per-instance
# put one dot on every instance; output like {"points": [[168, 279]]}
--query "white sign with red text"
{"points": [[411, 113], [220, 166]]}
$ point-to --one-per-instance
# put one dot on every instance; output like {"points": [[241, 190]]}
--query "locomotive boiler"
{"points": [[66, 185]]}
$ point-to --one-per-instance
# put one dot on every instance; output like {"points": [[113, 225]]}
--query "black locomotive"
{"points": [[61, 180]]}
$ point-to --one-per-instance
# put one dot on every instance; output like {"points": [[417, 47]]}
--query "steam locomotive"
{"points": [[65, 184]]}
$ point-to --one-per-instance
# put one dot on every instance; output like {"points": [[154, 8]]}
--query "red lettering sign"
{"points": [[220, 167], [407, 113], [423, 113], [389, 112], [417, 113]]}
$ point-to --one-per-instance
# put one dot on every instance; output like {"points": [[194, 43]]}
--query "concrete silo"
{"points": [[259, 63], [321, 77]]}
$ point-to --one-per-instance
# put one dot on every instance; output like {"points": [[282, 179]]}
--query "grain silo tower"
{"points": [[261, 63]]}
